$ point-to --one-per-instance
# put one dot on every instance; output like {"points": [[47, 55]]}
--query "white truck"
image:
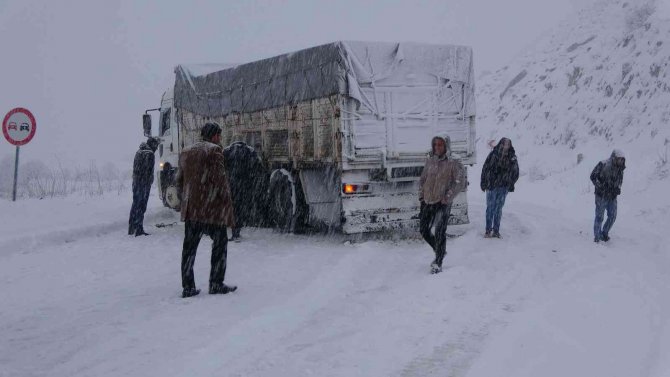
{"points": [[343, 129]]}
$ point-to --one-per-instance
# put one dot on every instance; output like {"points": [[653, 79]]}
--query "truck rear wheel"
{"points": [[282, 201]]}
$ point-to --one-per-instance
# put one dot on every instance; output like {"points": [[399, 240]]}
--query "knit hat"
{"points": [[153, 142]]}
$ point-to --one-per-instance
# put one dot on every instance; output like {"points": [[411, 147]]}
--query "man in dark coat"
{"points": [[206, 208], [244, 170], [143, 178], [499, 174], [441, 180], [607, 177]]}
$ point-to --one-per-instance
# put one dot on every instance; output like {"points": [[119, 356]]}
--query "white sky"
{"points": [[88, 69]]}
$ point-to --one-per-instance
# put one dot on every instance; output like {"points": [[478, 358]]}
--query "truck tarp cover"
{"points": [[317, 72]]}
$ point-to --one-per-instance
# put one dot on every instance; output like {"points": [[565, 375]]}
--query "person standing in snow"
{"points": [[244, 170], [143, 178], [499, 175], [206, 208], [441, 180], [607, 177]]}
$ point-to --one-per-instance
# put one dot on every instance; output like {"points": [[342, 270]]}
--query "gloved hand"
{"points": [[617, 191]]}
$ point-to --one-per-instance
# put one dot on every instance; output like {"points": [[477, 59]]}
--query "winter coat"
{"points": [[442, 178], [245, 171], [500, 170], [607, 177], [203, 185], [143, 166], [243, 167]]}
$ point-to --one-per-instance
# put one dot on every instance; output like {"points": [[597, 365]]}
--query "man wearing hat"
{"points": [[143, 178], [206, 208]]}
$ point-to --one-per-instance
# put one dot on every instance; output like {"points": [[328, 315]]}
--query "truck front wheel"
{"points": [[171, 198], [168, 188]]}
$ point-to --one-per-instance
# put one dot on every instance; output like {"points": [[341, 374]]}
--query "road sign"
{"points": [[19, 126]]}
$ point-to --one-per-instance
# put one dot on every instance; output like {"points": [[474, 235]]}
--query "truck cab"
{"points": [[168, 150]]}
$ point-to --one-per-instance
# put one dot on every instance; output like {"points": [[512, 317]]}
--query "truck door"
{"points": [[402, 120]]}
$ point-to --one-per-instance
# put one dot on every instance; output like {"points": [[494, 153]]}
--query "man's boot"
{"points": [[221, 289], [141, 232], [190, 292]]}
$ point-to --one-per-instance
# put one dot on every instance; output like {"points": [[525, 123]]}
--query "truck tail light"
{"points": [[350, 189]]}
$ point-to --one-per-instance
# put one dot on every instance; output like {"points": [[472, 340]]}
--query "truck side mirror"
{"points": [[146, 124]]}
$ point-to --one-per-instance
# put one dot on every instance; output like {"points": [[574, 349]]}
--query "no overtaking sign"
{"points": [[19, 128]]}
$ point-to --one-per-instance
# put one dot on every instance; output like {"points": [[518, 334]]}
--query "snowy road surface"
{"points": [[80, 298]]}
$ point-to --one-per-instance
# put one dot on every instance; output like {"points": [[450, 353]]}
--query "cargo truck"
{"points": [[343, 129]]}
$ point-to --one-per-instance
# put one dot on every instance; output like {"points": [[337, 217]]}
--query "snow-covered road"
{"points": [[544, 301]]}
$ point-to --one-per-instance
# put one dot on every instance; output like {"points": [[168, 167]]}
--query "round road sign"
{"points": [[19, 126]]}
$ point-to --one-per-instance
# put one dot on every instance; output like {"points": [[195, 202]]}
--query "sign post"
{"points": [[19, 128], [16, 173]]}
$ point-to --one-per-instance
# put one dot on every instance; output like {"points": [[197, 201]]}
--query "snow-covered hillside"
{"points": [[600, 80]]}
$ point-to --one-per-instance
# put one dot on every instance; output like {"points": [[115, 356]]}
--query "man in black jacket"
{"points": [[143, 178], [607, 177], [244, 170], [499, 174]]}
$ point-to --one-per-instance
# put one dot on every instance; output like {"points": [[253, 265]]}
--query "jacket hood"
{"points": [[498, 148], [447, 142], [617, 153]]}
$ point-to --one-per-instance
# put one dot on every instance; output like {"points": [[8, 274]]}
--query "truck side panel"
{"points": [[288, 136]]}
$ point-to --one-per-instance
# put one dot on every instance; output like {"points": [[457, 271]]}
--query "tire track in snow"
{"points": [[526, 235]]}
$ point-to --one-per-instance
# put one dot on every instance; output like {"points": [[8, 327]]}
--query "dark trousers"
{"points": [[495, 200], [192, 235], [435, 215], [242, 209], [602, 205], [139, 207]]}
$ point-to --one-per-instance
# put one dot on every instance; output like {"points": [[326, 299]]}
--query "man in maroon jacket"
{"points": [[206, 208]]}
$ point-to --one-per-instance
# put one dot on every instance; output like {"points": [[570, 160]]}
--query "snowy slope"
{"points": [[600, 80]]}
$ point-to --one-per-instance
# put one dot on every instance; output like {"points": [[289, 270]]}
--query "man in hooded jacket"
{"points": [[143, 178], [499, 175], [441, 180], [607, 177]]}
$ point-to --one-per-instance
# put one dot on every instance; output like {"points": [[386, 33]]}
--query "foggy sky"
{"points": [[88, 69]]}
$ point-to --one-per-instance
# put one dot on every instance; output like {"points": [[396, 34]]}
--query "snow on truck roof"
{"points": [[335, 68]]}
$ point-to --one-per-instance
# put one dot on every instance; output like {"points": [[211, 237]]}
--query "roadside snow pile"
{"points": [[599, 81], [34, 223]]}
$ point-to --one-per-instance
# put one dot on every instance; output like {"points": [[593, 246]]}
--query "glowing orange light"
{"points": [[349, 189]]}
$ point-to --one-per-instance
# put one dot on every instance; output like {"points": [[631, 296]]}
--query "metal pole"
{"points": [[16, 173]]}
